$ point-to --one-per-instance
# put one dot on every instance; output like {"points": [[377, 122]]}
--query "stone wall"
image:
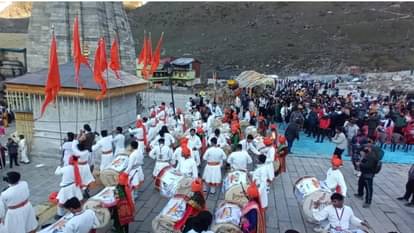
{"points": [[96, 19]]}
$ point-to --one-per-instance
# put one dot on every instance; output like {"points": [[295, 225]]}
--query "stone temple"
{"points": [[96, 19], [25, 94]]}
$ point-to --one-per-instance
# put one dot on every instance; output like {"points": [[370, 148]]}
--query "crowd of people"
{"points": [[193, 140]]}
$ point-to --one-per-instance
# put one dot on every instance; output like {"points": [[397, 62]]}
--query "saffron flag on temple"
{"points": [[157, 55], [149, 50], [115, 64], [100, 66], [78, 57], [142, 54], [53, 77]]}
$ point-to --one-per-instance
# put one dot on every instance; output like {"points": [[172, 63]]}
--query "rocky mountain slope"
{"points": [[283, 38]]}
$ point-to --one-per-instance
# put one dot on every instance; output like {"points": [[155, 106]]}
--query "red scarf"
{"points": [[140, 124], [76, 171]]}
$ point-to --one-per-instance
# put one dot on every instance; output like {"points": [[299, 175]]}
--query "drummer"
{"points": [[134, 168], [249, 145], [239, 159], [162, 154], [165, 134], [84, 156], [270, 152], [253, 217], [186, 163], [105, 144], [83, 221], [140, 133], [221, 139], [194, 143], [334, 177], [212, 172], [70, 185], [338, 215], [119, 141], [260, 176]]}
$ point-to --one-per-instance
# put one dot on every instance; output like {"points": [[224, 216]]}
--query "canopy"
{"points": [[249, 79]]}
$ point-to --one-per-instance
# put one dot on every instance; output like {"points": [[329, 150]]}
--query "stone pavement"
{"points": [[386, 213]]}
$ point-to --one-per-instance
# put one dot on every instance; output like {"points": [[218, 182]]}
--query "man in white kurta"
{"points": [[335, 179], [339, 216], [162, 114], [194, 143], [83, 155], [24, 157], [212, 172], [20, 216], [239, 159], [162, 155], [186, 164], [221, 139], [67, 148], [119, 141], [249, 145], [105, 146], [139, 134], [216, 110], [260, 176], [68, 187], [134, 168], [269, 151], [83, 221], [195, 117]]}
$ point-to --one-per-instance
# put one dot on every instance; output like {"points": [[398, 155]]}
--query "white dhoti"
{"points": [[159, 165], [270, 170], [86, 174], [106, 160], [212, 174], [69, 191], [263, 193], [196, 154], [136, 177], [141, 146], [24, 156], [21, 219]]}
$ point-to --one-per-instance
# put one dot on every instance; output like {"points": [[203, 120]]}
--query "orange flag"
{"points": [[157, 55], [53, 77], [78, 57], [143, 53], [115, 64], [149, 49], [99, 67]]}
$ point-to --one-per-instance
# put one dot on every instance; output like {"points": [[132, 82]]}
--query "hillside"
{"points": [[283, 38]]}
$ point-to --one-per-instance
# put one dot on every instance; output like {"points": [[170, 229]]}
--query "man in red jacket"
{"points": [[324, 123]]}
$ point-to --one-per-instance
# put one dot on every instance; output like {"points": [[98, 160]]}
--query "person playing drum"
{"points": [[239, 159], [338, 215], [124, 210], [134, 168], [260, 176], [249, 145], [186, 163], [334, 178], [83, 221], [70, 185], [194, 143], [269, 151], [253, 217], [162, 154], [212, 172]]}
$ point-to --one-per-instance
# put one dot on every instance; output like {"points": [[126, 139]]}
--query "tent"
{"points": [[250, 79]]}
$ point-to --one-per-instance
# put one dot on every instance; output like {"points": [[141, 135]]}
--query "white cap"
{"points": [[139, 117]]}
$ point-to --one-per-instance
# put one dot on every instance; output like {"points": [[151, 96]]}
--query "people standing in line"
{"points": [[292, 133], [13, 150], [409, 188], [340, 140]]}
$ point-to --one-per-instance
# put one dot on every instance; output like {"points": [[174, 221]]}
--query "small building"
{"points": [[184, 70], [25, 95]]}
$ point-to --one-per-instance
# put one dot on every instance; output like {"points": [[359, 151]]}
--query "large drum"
{"points": [[109, 176], [227, 218], [172, 212], [235, 186], [106, 197], [305, 186], [58, 226], [308, 190], [102, 214], [235, 178], [170, 183]]}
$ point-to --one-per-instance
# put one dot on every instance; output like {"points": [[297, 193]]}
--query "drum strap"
{"points": [[66, 185]]}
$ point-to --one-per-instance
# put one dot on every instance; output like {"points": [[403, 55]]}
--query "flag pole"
{"points": [[108, 90], [78, 81], [58, 105]]}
